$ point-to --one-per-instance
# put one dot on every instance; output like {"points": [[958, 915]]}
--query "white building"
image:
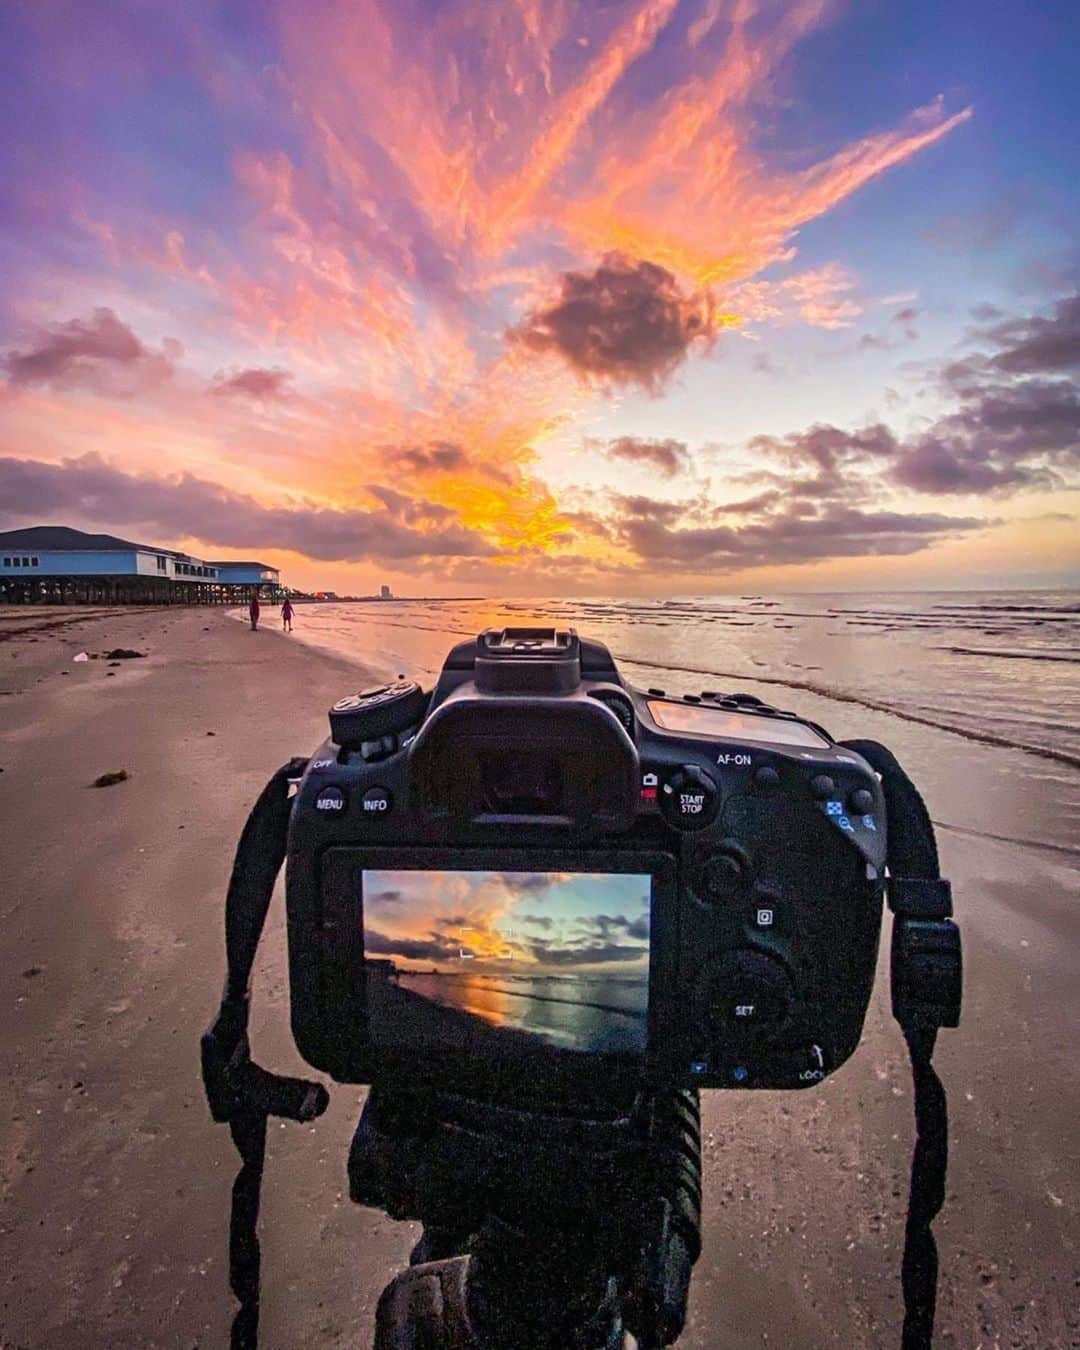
{"points": [[56, 564]]}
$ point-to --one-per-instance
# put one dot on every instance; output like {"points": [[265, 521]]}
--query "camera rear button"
{"points": [[822, 786], [724, 873], [330, 800], [377, 801], [689, 799]]}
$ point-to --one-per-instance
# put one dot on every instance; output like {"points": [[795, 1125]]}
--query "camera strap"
{"points": [[238, 1091], [926, 982]]}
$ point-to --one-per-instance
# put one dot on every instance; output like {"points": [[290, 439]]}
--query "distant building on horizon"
{"points": [[384, 593], [55, 564]]}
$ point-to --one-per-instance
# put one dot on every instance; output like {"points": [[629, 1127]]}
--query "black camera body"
{"points": [[538, 884]]}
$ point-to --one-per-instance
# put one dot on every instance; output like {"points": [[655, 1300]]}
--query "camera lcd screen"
{"points": [[500, 960], [732, 726]]}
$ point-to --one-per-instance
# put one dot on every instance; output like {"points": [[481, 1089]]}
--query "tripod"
{"points": [[539, 1231]]}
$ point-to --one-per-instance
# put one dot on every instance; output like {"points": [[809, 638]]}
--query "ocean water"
{"points": [[578, 1012], [1002, 668], [977, 693]]}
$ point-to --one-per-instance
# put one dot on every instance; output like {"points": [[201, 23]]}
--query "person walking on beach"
{"points": [[286, 615], [253, 612]]}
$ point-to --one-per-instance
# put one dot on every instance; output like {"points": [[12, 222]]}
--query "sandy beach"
{"points": [[115, 1182]]}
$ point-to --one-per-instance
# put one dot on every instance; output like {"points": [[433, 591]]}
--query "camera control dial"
{"points": [[689, 799], [751, 993], [383, 710]]}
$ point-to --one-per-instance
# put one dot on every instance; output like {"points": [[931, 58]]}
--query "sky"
{"points": [[550, 297], [537, 923]]}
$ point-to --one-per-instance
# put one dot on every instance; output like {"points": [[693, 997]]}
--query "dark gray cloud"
{"points": [[412, 510], [454, 922], [529, 883], [434, 948], [818, 500], [649, 508], [433, 455], [1038, 344], [1016, 424], [604, 925], [89, 490], [100, 353], [628, 322], [265, 385], [801, 532], [1004, 439], [383, 898], [756, 505], [668, 457], [603, 953], [823, 462], [901, 330], [827, 448], [429, 457]]}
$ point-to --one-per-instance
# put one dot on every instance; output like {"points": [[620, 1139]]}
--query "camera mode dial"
{"points": [[375, 713], [689, 799]]}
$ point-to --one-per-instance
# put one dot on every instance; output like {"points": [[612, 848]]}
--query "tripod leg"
{"points": [[423, 1308], [541, 1289], [439, 1244]]}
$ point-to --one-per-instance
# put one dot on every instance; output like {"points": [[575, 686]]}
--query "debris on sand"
{"points": [[108, 779], [31, 971], [81, 656], [123, 654]]}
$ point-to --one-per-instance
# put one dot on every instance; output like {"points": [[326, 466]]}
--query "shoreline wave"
{"points": [[1008, 711], [873, 705]]}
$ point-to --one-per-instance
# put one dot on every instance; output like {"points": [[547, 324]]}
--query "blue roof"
{"points": [[64, 538]]}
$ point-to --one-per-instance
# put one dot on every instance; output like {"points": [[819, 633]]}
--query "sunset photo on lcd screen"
{"points": [[563, 957]]}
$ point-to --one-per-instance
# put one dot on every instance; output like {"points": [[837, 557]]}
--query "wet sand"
{"points": [[115, 1183]]}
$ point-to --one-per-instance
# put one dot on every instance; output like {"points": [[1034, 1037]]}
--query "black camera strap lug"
{"points": [[920, 897]]}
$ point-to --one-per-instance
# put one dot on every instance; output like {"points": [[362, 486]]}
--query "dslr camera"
{"points": [[537, 885]]}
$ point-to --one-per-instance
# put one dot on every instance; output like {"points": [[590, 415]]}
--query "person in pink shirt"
{"points": [[253, 612], [286, 615]]}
